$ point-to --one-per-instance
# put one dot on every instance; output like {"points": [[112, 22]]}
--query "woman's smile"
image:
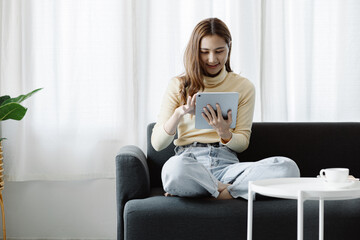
{"points": [[213, 66]]}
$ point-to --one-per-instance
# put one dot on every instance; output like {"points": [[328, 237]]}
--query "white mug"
{"points": [[335, 175]]}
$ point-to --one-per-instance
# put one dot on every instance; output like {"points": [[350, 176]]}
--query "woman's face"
{"points": [[213, 54]]}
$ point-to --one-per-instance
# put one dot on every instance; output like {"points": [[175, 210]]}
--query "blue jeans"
{"points": [[196, 170]]}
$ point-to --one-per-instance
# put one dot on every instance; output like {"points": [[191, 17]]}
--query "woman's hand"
{"points": [[171, 124], [221, 125], [189, 107]]}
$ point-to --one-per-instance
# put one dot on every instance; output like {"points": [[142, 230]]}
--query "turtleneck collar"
{"points": [[213, 81]]}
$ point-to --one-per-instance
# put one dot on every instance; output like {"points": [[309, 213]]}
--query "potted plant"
{"points": [[10, 108]]}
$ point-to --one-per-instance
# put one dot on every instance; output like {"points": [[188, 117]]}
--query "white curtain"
{"points": [[82, 53], [104, 65], [310, 66]]}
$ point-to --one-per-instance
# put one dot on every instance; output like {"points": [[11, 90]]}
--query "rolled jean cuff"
{"points": [[215, 194]]}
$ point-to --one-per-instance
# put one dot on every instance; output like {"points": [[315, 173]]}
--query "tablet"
{"points": [[226, 100]]}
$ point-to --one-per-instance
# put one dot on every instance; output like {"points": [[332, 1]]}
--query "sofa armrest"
{"points": [[132, 180]]}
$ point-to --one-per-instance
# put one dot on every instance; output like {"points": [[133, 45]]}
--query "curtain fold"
{"points": [[104, 66]]}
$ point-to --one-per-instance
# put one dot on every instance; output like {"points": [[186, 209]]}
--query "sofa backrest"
{"points": [[312, 145]]}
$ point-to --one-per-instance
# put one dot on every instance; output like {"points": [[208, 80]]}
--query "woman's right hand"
{"points": [[189, 107], [171, 124]]}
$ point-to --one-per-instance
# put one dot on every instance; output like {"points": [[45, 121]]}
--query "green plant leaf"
{"points": [[4, 98], [20, 98], [13, 111]]}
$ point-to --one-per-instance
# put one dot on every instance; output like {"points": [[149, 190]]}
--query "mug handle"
{"points": [[322, 173]]}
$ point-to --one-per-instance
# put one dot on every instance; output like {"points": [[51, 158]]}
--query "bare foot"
{"points": [[168, 195], [222, 186], [225, 195]]}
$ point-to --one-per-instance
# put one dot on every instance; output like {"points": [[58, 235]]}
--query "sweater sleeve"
{"points": [[160, 139], [241, 134]]}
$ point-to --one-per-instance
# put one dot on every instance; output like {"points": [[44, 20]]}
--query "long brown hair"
{"points": [[191, 81]]}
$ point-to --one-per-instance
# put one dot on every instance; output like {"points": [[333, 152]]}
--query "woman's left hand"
{"points": [[221, 125]]}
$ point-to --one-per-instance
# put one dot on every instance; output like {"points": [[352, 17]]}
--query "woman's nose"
{"points": [[211, 58]]}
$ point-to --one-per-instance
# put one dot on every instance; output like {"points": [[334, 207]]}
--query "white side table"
{"points": [[301, 189]]}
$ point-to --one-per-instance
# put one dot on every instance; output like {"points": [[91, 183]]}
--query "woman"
{"points": [[205, 162]]}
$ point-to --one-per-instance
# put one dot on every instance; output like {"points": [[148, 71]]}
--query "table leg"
{"points": [[250, 213], [321, 219], [300, 217]]}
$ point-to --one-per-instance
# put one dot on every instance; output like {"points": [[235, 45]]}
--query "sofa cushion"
{"points": [[173, 218]]}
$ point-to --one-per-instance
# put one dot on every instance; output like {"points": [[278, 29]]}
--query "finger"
{"points": [[205, 117], [209, 118], [188, 101], [207, 113], [213, 114], [229, 115], [219, 113], [193, 100]]}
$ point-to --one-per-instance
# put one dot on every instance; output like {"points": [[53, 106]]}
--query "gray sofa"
{"points": [[144, 213]]}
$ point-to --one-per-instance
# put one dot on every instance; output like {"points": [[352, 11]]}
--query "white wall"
{"points": [[60, 210]]}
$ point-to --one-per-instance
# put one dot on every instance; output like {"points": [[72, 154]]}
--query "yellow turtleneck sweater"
{"points": [[187, 133]]}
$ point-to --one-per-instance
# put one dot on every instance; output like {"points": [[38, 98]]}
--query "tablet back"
{"points": [[226, 100]]}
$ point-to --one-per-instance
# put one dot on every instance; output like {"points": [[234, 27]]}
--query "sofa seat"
{"points": [[159, 217]]}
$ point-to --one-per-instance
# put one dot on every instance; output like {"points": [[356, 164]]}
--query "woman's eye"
{"points": [[219, 51], [203, 52]]}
